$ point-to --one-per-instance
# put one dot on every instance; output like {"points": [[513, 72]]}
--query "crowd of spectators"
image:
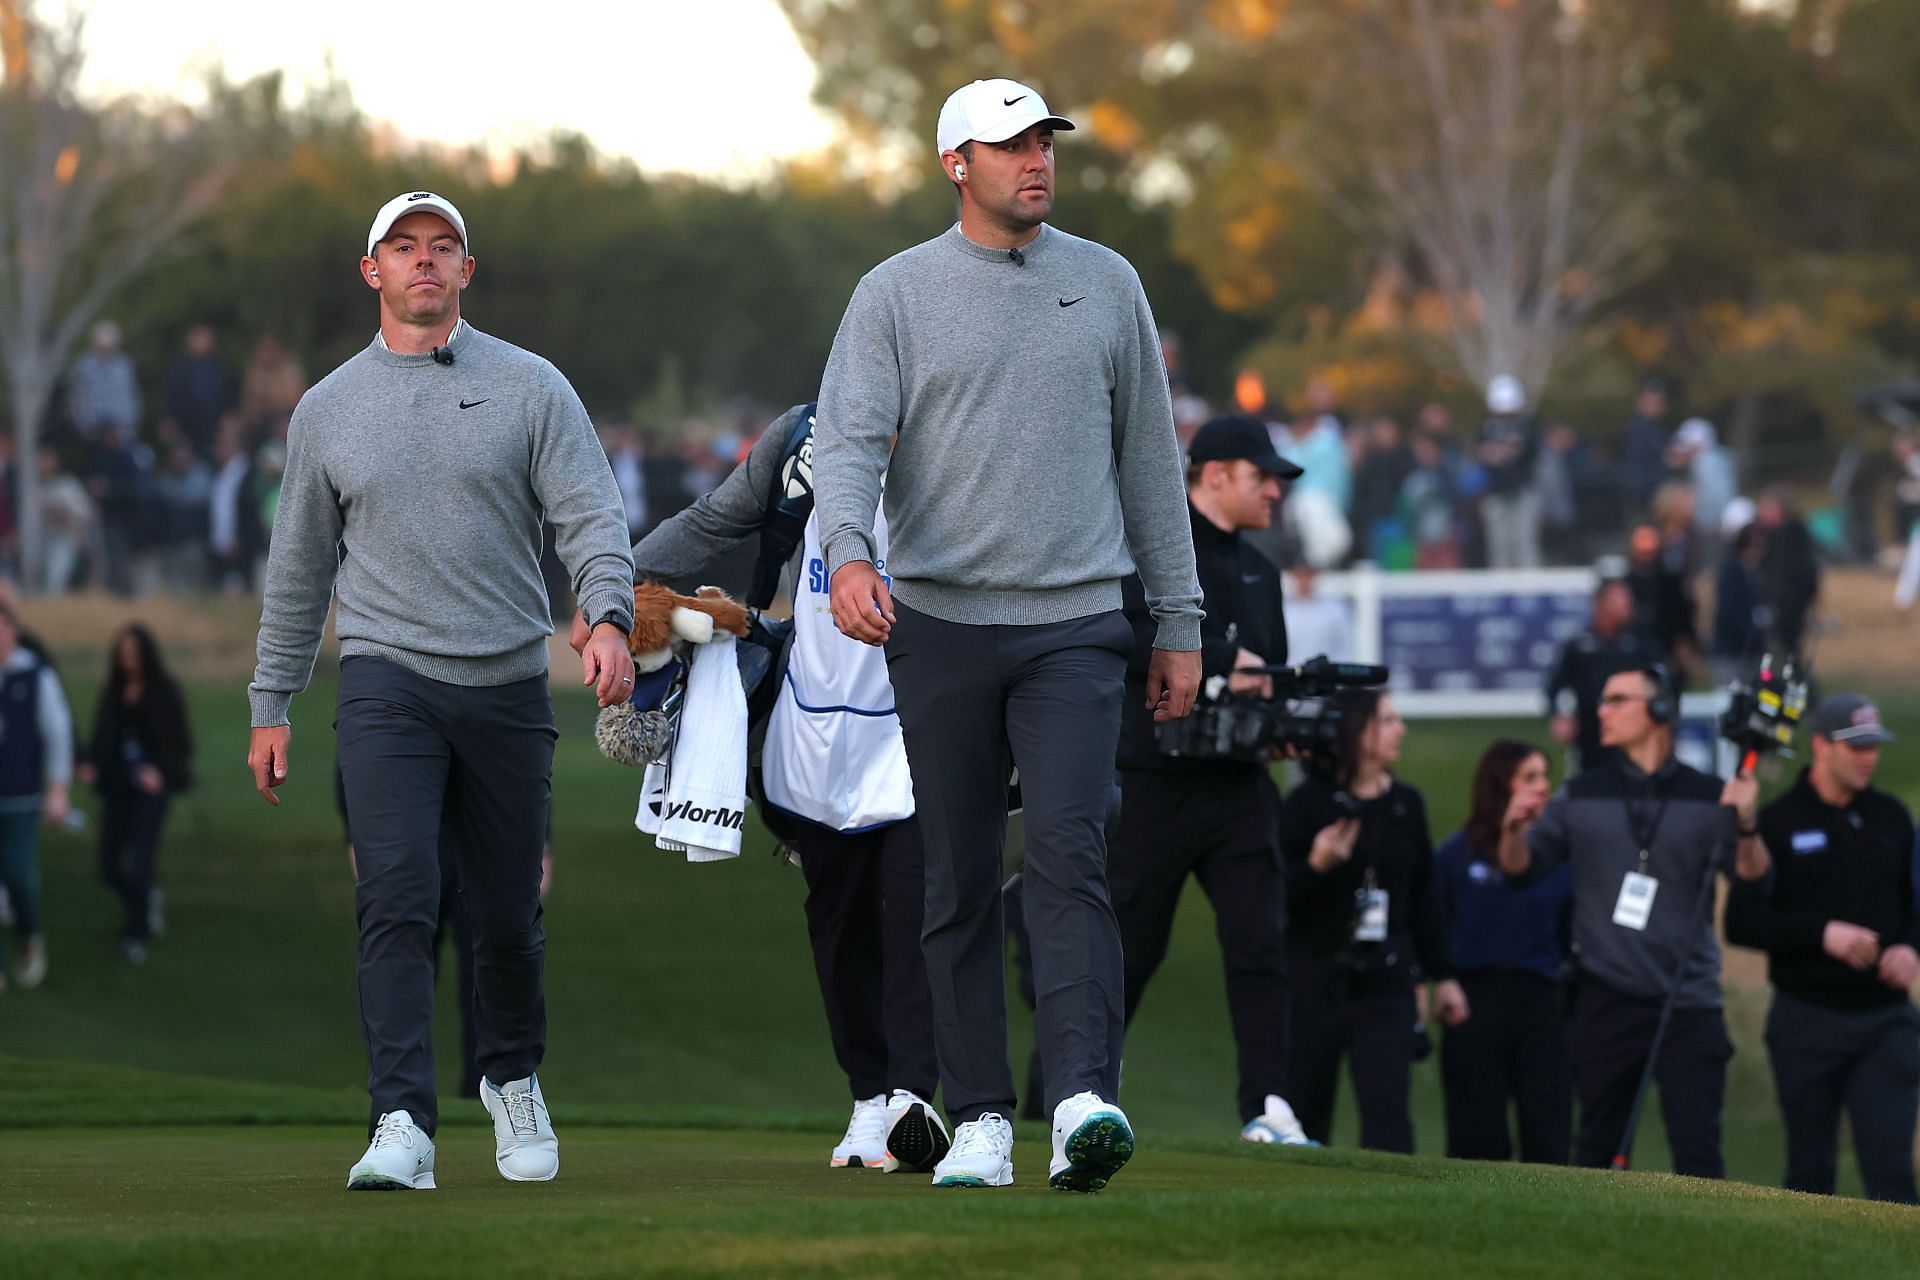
{"points": [[1717, 577], [179, 495], [1512, 491], [136, 496]]}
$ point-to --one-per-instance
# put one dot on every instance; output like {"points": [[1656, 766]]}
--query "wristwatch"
{"points": [[609, 618]]}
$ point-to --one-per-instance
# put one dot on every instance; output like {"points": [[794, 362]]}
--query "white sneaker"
{"points": [[33, 964], [981, 1155], [916, 1135], [400, 1157], [1278, 1125], [1091, 1140], [865, 1146], [524, 1146]]}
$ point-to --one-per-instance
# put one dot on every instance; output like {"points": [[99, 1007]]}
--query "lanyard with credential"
{"points": [[1644, 835]]}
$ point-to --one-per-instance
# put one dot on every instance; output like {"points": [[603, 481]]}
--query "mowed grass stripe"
{"points": [[210, 1201]]}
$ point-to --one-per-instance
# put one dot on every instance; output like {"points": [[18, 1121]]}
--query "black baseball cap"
{"points": [[1239, 435], [1848, 718]]}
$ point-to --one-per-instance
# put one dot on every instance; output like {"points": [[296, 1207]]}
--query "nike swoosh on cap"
{"points": [[1007, 102]]}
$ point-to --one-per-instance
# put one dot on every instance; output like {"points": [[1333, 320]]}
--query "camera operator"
{"points": [[1361, 915], [1838, 922], [1613, 642], [1214, 818], [1643, 833]]}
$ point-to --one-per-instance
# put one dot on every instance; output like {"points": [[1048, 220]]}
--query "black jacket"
{"points": [[1394, 844], [1241, 588], [151, 731], [1854, 864]]}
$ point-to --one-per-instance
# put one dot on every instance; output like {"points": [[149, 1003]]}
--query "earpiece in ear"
{"points": [[960, 172]]}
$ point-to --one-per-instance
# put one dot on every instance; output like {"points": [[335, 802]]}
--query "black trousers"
{"points": [[974, 700], [866, 897], [1013, 904], [453, 921], [1511, 1051], [429, 766], [1369, 1021], [1866, 1061], [131, 822], [1220, 830], [1610, 1037]]}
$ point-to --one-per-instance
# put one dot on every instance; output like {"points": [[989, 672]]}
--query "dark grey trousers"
{"points": [[1865, 1062], [428, 765], [972, 701]]}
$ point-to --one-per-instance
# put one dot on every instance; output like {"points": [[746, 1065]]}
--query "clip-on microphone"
{"points": [[443, 355]]}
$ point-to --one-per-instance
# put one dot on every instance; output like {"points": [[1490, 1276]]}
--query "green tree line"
{"points": [[1739, 212], [653, 294]]}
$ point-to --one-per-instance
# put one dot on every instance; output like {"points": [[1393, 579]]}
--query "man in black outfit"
{"points": [[1838, 921], [1612, 644], [1214, 818]]}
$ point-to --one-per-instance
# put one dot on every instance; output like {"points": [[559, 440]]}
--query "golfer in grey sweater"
{"points": [[418, 473], [1036, 467]]}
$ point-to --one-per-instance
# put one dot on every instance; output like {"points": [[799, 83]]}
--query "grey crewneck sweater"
{"points": [[422, 519], [1036, 465]]}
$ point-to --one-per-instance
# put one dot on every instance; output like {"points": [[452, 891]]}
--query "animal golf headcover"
{"points": [[663, 618]]}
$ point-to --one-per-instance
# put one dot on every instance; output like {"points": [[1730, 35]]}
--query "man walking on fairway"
{"points": [[417, 476], [1036, 467]]}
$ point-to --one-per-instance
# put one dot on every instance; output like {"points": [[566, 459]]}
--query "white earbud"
{"points": [[960, 172]]}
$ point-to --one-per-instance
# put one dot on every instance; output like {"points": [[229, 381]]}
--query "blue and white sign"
{"points": [[1471, 643]]}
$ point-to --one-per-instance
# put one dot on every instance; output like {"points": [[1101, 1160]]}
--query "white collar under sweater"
{"points": [[453, 335]]}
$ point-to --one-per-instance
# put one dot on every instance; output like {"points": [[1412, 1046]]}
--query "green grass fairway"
{"points": [[196, 1116], [215, 1201]]}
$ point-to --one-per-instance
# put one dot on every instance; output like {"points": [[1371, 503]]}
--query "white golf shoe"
{"points": [[400, 1157], [33, 963], [1091, 1140], [524, 1146], [981, 1155], [916, 1135], [1277, 1125], [865, 1144]]}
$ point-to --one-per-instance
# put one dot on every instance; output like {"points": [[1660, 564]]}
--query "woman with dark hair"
{"points": [[1362, 926], [1509, 949], [138, 760]]}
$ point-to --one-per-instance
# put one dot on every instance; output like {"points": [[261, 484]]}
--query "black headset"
{"points": [[1665, 700]]}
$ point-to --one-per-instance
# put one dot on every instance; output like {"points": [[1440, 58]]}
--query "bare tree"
{"points": [[1487, 136], [89, 196]]}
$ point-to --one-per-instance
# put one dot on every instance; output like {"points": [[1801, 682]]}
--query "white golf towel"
{"points": [[696, 803]]}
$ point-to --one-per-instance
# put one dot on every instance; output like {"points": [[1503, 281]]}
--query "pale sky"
{"points": [[714, 87]]}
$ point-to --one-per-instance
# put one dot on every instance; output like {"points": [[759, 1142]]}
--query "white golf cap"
{"points": [[1696, 433], [992, 111], [1505, 394], [402, 205]]}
